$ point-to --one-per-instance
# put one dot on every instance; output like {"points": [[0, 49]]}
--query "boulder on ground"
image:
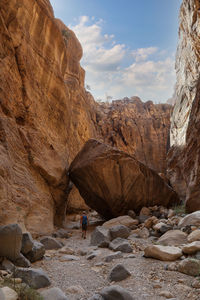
{"points": [[35, 278], [165, 253], [118, 273], [194, 236], [191, 219], [2, 297], [173, 238], [53, 294], [10, 241], [120, 244], [189, 266], [100, 237], [115, 292], [191, 248], [50, 243], [22, 261], [9, 294], [112, 182], [61, 233], [122, 220], [37, 252], [27, 243], [119, 231], [112, 256]]}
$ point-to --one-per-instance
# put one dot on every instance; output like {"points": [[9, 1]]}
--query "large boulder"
{"points": [[115, 292], [121, 220], [113, 182], [165, 253], [37, 252], [35, 278], [191, 219], [27, 243], [100, 237], [53, 294], [173, 238], [189, 266], [120, 244], [50, 243], [119, 231], [10, 241]]}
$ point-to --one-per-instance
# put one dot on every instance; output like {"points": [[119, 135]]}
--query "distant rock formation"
{"points": [[113, 182], [184, 155], [140, 129]]}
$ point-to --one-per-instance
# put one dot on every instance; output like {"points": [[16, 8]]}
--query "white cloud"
{"points": [[143, 53], [113, 69]]}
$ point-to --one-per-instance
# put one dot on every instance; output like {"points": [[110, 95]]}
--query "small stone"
{"points": [[115, 292], [66, 250], [93, 254], [191, 248], [194, 236], [150, 222], [69, 258], [118, 273], [166, 294], [173, 267], [157, 286], [75, 289], [145, 211], [132, 214], [143, 233], [115, 255], [196, 283]]}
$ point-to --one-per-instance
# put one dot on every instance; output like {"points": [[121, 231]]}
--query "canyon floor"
{"points": [[148, 279]]}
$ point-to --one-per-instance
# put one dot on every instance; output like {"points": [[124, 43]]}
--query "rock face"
{"points": [[113, 182], [45, 113], [140, 129], [184, 155]]}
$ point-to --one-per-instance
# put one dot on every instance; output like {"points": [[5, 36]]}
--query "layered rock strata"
{"points": [[184, 156], [113, 182], [45, 113], [140, 129]]}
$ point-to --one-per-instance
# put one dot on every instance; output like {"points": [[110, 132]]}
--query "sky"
{"points": [[129, 46]]}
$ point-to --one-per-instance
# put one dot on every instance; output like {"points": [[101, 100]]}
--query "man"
{"points": [[84, 223]]}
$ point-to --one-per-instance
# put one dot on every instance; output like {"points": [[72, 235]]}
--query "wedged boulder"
{"points": [[121, 220], [36, 253], [50, 243], [113, 182], [10, 241], [27, 243], [173, 238], [165, 253], [119, 231], [191, 219], [100, 237], [35, 278], [191, 248], [120, 244]]}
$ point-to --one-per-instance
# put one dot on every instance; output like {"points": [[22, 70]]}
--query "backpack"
{"points": [[84, 220]]}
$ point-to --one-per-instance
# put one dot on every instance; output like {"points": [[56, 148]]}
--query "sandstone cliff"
{"points": [[183, 158], [140, 129], [45, 113]]}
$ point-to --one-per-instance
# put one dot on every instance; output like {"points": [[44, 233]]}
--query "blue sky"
{"points": [[129, 45]]}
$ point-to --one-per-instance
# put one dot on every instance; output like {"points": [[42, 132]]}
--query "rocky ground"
{"points": [[82, 277]]}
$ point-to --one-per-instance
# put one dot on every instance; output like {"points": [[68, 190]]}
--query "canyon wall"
{"points": [[46, 116], [140, 129], [183, 157], [45, 113]]}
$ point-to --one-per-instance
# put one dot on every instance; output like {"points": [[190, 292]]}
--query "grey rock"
{"points": [[53, 294], [35, 278], [22, 261], [189, 266], [7, 265], [27, 243], [69, 258], [120, 244], [50, 243], [115, 255], [10, 241], [93, 254], [115, 292], [197, 255], [119, 231], [142, 218], [100, 237], [61, 233], [37, 252], [165, 228], [118, 273], [96, 297], [2, 297]]}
